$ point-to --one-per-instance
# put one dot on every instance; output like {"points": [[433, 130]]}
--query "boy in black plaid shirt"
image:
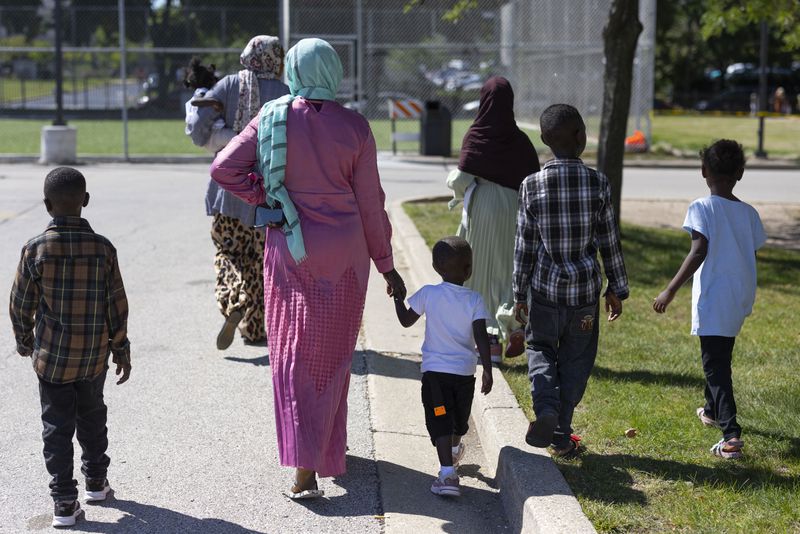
{"points": [[565, 217], [69, 311]]}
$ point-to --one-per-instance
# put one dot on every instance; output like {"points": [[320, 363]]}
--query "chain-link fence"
{"points": [[160, 43], [551, 52]]}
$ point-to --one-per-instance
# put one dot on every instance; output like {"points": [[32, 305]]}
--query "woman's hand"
{"points": [[395, 287]]}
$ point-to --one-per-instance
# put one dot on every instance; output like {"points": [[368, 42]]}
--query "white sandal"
{"points": [[305, 494]]}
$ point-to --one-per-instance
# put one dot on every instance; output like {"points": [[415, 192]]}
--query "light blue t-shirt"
{"points": [[724, 287], [449, 311]]}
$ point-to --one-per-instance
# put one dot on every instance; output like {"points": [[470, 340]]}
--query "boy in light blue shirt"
{"points": [[726, 233]]}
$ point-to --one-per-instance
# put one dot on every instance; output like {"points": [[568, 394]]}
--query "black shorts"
{"points": [[447, 399]]}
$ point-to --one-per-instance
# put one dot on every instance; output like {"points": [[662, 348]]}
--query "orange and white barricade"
{"points": [[403, 108]]}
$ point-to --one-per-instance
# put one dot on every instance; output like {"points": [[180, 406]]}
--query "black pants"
{"points": [[447, 399], [717, 352], [65, 409], [561, 349]]}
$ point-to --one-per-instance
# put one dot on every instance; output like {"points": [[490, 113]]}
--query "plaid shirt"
{"points": [[565, 215], [68, 305]]}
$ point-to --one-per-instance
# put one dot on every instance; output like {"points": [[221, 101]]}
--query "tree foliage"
{"points": [[731, 16]]}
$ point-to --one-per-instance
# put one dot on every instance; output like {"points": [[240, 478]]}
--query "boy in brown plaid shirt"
{"points": [[69, 311]]}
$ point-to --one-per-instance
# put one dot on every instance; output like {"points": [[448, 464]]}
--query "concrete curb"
{"points": [[535, 495]]}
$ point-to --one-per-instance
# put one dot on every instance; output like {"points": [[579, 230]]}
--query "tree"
{"points": [[619, 36], [726, 16]]}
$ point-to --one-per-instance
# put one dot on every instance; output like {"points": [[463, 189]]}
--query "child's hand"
{"points": [[395, 286], [487, 381], [125, 369], [613, 306], [661, 302], [521, 312]]}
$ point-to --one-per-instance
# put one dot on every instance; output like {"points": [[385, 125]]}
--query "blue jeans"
{"points": [[561, 346], [67, 409]]}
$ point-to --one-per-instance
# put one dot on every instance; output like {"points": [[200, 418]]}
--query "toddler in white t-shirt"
{"points": [[726, 233], [455, 323]]}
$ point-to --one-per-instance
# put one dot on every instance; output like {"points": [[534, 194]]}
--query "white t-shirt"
{"points": [[724, 287], [449, 311]]}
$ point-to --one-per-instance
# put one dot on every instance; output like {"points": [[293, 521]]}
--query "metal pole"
{"points": [[359, 71], [123, 75], [285, 28], [59, 120], [762, 89]]}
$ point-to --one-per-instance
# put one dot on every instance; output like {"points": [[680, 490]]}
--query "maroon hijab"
{"points": [[493, 147]]}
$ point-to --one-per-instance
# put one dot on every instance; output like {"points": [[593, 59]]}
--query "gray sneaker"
{"points": [[450, 486]]}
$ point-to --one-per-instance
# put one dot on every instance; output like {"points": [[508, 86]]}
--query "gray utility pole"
{"points": [[59, 120], [762, 89], [123, 76]]}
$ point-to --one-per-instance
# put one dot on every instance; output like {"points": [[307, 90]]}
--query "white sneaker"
{"points": [[449, 487], [97, 490], [65, 514]]}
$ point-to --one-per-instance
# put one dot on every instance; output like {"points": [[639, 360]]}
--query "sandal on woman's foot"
{"points": [[706, 420], [516, 343], [301, 494], [225, 336], [730, 449]]}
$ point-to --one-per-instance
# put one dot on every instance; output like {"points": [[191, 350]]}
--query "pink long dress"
{"points": [[314, 309]]}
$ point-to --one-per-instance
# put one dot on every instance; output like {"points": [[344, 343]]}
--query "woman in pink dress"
{"points": [[317, 161]]}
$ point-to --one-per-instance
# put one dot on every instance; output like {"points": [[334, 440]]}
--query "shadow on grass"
{"points": [[619, 486], [653, 256], [649, 377]]}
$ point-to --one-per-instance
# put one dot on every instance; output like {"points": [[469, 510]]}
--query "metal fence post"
{"points": [[123, 75]]}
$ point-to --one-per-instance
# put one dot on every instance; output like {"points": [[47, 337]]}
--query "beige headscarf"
{"points": [[262, 58]]}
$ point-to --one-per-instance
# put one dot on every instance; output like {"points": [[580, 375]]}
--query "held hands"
{"points": [[395, 286], [487, 381], [663, 299], [613, 306]]}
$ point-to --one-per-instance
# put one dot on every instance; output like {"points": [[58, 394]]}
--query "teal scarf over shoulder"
{"points": [[314, 71]]}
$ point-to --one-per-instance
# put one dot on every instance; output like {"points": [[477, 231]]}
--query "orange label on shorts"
{"points": [[439, 410]]}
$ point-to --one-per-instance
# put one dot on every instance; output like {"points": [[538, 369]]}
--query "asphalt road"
{"points": [[96, 97], [192, 436]]}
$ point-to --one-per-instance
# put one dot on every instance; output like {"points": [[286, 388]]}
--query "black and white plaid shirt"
{"points": [[565, 216]]}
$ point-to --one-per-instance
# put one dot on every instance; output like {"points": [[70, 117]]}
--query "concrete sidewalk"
{"points": [[534, 494]]}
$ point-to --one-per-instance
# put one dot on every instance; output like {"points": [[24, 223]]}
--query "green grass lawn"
{"points": [[21, 136], [781, 135], [104, 137], [648, 376]]}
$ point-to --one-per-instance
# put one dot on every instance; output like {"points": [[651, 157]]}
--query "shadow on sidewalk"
{"points": [[260, 361], [411, 495], [393, 366], [143, 518]]}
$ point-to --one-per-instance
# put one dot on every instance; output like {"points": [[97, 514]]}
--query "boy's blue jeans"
{"points": [[67, 409], [561, 347]]}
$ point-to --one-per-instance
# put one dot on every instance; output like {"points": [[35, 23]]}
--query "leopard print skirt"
{"points": [[239, 265]]}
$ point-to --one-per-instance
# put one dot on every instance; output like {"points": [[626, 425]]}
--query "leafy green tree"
{"points": [[728, 16]]}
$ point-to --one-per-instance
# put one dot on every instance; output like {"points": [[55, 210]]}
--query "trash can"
{"points": [[435, 130]]}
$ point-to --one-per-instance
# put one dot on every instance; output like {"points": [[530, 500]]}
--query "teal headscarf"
{"points": [[314, 71]]}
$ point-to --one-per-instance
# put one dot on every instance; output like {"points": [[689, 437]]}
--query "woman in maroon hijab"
{"points": [[495, 157]]}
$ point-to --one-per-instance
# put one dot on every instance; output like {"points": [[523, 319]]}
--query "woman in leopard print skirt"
{"points": [[240, 247]]}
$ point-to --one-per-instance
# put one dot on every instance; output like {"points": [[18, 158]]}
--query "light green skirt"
{"points": [[491, 220]]}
